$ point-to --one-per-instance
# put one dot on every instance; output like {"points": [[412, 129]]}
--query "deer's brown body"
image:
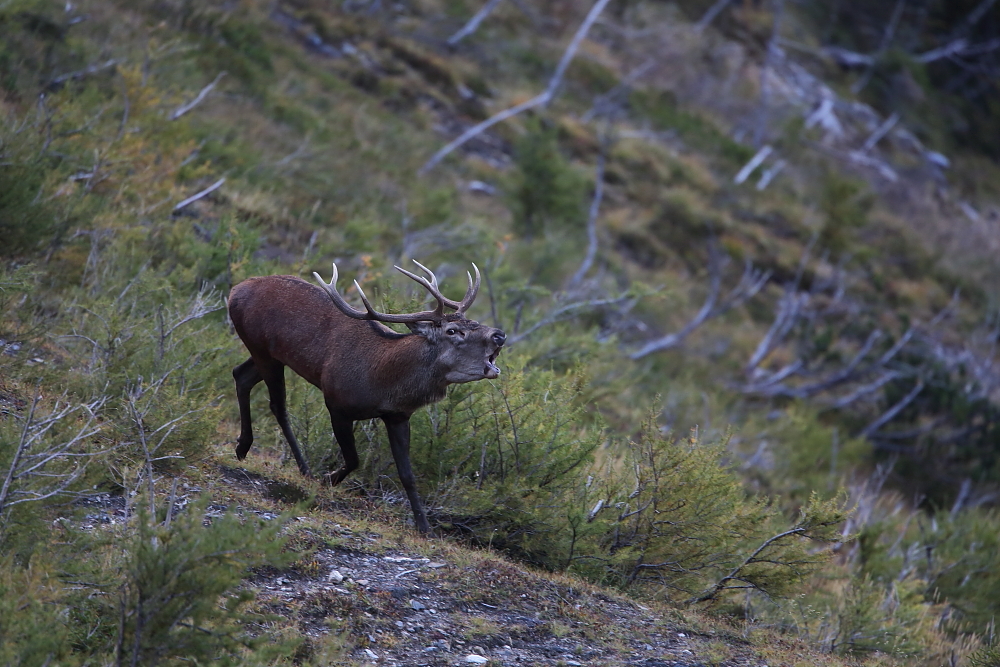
{"points": [[364, 369]]}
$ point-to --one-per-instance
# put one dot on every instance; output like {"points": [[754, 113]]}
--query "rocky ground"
{"points": [[388, 597], [428, 602]]}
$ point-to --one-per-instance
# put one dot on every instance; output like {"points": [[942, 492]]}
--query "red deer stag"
{"points": [[364, 368]]}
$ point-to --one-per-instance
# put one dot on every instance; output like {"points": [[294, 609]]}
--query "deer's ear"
{"points": [[422, 328]]}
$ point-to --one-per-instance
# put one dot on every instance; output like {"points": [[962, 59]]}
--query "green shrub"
{"points": [[546, 193], [959, 561], [179, 601], [33, 617], [497, 459], [859, 616], [986, 657], [27, 222], [674, 516]]}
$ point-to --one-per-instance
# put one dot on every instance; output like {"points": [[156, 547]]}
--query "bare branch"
{"points": [[207, 191], [750, 284], [79, 74], [752, 558], [880, 132], [765, 88], [891, 413], [890, 31], [769, 175], [200, 307], [959, 47], [846, 58], [473, 23], [606, 99], [184, 108], [543, 99], [566, 310], [788, 312], [32, 457], [710, 15], [974, 16], [595, 207], [848, 371], [865, 389], [754, 162]]}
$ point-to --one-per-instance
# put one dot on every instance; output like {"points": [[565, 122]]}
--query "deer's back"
{"points": [[358, 364]]}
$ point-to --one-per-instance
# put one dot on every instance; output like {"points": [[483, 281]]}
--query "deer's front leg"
{"points": [[398, 427]]}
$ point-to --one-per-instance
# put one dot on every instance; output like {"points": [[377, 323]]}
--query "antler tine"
{"points": [[431, 286], [372, 314], [338, 300], [434, 280], [364, 299], [472, 292]]}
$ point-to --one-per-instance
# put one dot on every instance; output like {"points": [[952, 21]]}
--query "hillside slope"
{"points": [[741, 303]]}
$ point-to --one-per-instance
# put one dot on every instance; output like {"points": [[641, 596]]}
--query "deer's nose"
{"points": [[499, 338]]}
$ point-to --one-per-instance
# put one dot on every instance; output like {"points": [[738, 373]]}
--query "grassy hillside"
{"points": [[764, 408]]}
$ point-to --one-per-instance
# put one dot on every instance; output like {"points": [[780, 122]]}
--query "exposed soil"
{"points": [[454, 606], [404, 609], [390, 605]]}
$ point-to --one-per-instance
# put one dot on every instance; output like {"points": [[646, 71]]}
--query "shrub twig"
{"points": [[540, 100]]}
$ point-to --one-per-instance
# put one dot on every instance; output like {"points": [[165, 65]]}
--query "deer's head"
{"points": [[463, 349]]}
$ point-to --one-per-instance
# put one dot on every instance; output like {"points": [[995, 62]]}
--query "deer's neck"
{"points": [[420, 378]]}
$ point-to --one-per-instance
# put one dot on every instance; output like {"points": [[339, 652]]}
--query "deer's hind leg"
{"points": [[343, 432], [247, 376], [273, 373]]}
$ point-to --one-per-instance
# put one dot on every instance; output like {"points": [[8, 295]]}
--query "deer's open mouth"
{"points": [[492, 371]]}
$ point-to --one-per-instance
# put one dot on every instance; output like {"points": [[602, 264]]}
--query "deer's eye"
{"points": [[451, 331]]}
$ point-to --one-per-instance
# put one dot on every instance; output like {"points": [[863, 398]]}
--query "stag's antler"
{"points": [[435, 315], [432, 287]]}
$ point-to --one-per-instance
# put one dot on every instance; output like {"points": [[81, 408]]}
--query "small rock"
{"points": [[417, 605], [371, 654], [335, 576], [362, 582], [681, 634], [574, 663], [475, 659], [435, 566], [399, 624]]}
